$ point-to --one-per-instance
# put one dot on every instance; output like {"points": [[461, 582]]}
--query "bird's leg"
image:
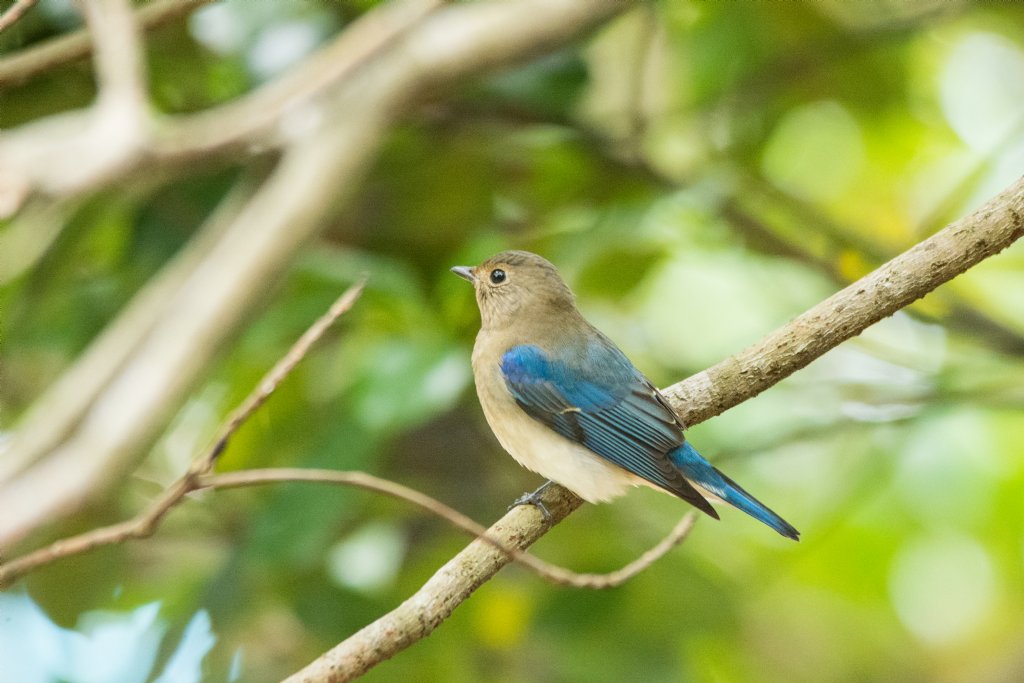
{"points": [[534, 500]]}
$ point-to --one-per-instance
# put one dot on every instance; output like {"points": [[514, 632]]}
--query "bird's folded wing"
{"points": [[599, 400]]}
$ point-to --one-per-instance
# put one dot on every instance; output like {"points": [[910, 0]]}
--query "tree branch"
{"points": [[73, 149], [46, 156], [15, 12], [902, 280], [119, 67], [182, 327], [257, 116], [845, 314], [38, 59]]}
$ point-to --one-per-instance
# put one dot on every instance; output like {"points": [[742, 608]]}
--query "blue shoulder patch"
{"points": [[527, 366]]}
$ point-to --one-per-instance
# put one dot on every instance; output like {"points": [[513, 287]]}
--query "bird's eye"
{"points": [[498, 276]]}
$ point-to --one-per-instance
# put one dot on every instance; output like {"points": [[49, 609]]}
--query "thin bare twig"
{"points": [[272, 379], [15, 12], [550, 572], [145, 523]]}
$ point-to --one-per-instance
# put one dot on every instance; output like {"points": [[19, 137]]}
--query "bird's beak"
{"points": [[465, 272]]}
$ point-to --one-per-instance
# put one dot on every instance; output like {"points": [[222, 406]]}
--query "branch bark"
{"points": [[904, 279], [449, 587]]}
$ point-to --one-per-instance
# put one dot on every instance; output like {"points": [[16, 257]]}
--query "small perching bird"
{"points": [[565, 402]]}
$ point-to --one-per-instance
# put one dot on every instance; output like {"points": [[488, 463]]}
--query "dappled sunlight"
{"points": [[369, 559], [944, 588], [815, 152], [105, 647]]}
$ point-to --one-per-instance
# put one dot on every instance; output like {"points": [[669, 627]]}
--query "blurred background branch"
{"points": [[16, 11], [77, 454], [118, 138], [38, 59]]}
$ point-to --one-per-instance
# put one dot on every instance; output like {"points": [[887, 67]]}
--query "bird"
{"points": [[566, 403]]}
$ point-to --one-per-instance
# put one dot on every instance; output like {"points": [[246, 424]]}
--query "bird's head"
{"points": [[517, 283]]}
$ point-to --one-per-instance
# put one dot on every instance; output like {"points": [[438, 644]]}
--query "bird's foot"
{"points": [[534, 500]]}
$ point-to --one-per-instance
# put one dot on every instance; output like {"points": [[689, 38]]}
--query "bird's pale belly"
{"points": [[549, 454]]}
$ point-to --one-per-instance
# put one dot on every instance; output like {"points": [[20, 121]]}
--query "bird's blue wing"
{"points": [[595, 397]]}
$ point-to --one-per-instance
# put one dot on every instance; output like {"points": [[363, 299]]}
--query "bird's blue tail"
{"points": [[703, 474]]}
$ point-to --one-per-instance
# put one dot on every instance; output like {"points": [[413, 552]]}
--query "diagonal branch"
{"points": [[12, 14], [906, 278], [847, 313]]}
